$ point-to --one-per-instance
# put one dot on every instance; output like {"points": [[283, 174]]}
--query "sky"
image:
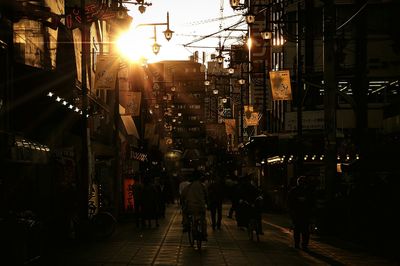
{"points": [[189, 19]]}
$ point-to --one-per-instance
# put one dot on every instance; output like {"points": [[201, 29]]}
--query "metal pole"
{"points": [[117, 180], [264, 126], [249, 84], [241, 113], [299, 93], [84, 180], [329, 97]]}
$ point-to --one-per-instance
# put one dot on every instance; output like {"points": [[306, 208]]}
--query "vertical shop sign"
{"points": [[128, 194]]}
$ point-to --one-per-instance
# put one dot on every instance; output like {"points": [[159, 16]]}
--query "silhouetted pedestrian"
{"points": [[161, 199], [300, 203], [149, 202], [137, 190], [250, 203], [232, 194], [215, 199]]}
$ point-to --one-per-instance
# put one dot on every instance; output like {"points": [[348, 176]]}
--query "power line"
{"points": [[352, 17], [212, 34], [204, 21]]}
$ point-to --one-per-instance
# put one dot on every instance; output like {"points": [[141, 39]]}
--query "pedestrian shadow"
{"points": [[328, 260]]}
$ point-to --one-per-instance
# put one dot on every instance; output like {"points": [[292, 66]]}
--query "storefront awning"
{"points": [[20, 149]]}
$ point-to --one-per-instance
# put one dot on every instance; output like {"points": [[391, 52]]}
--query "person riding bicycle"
{"points": [[194, 197], [250, 203]]}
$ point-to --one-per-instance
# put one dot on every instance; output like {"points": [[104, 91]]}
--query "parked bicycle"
{"points": [[102, 223]]}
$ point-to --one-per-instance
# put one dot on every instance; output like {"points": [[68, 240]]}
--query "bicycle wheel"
{"points": [[199, 234], [103, 225], [250, 229], [257, 229], [190, 233]]}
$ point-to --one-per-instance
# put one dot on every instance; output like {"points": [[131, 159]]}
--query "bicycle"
{"points": [[195, 230], [102, 223], [252, 224]]}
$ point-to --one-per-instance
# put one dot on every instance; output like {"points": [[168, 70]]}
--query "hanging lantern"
{"points": [[156, 48]]}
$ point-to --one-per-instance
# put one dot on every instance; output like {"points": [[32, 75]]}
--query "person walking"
{"points": [[232, 194], [215, 199], [137, 190], [300, 203], [149, 202]]}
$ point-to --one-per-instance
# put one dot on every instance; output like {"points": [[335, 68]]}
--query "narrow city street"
{"points": [[168, 245]]}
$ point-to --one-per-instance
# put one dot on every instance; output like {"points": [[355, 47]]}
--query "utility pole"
{"points": [[360, 83], [299, 92], [85, 174], [241, 114], [264, 111], [329, 96]]}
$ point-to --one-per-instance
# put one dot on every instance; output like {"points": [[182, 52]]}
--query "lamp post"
{"points": [[220, 58], [85, 134], [141, 3], [167, 33], [241, 81]]}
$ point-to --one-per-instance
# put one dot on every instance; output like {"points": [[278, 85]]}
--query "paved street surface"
{"points": [[167, 245]]}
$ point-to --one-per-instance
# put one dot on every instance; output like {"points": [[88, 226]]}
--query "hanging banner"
{"points": [[130, 100], [251, 119], [280, 85], [128, 194], [106, 72], [230, 126]]}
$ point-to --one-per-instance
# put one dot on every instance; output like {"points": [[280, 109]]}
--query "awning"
{"points": [[130, 126], [20, 149]]}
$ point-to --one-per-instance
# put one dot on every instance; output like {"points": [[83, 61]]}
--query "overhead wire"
{"points": [[212, 34], [353, 16]]}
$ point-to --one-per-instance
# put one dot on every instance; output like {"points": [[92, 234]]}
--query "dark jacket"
{"points": [[301, 202]]}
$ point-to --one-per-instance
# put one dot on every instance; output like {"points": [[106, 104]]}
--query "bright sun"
{"points": [[135, 44]]}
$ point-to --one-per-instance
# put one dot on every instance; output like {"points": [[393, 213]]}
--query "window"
{"points": [[194, 129], [194, 106], [193, 117]]}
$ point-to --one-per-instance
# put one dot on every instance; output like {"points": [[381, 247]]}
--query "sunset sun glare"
{"points": [[135, 44]]}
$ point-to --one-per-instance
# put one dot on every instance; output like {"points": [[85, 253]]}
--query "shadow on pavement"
{"points": [[326, 259]]}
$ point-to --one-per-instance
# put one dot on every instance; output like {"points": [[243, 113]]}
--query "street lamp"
{"points": [[234, 3], [156, 48], [250, 18], [142, 5], [167, 33], [266, 34], [231, 70], [220, 59], [241, 82]]}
